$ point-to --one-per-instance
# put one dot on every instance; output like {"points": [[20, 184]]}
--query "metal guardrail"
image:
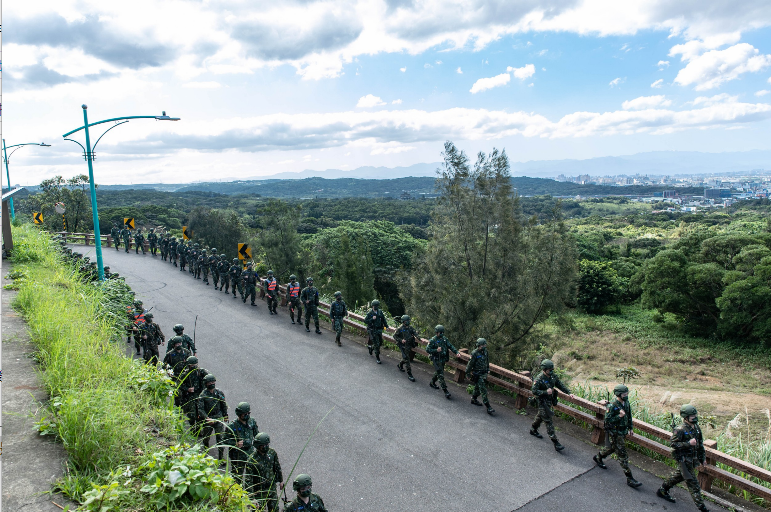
{"points": [[521, 383]]}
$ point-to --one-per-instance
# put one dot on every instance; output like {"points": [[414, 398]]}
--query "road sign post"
{"points": [[128, 222], [37, 217], [187, 234], [244, 252]]}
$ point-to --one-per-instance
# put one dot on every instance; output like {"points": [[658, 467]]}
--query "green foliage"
{"points": [[74, 193], [279, 240], [103, 498], [628, 373], [222, 229], [598, 286], [488, 271]]}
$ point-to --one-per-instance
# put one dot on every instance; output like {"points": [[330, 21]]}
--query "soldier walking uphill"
{"points": [[190, 387], [337, 312], [176, 359], [477, 368], [214, 261], [164, 247], [173, 250], [439, 349], [268, 478], [187, 341], [249, 279], [182, 254], [310, 299], [293, 297], [305, 501], [215, 412], [137, 323], [239, 435], [406, 339], [224, 270], [688, 450], [203, 266], [125, 234], [618, 424], [376, 323], [270, 286], [115, 235], [544, 389], [235, 277], [152, 336], [139, 241], [152, 238]]}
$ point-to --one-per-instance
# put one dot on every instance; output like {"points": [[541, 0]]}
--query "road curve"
{"points": [[389, 444]]}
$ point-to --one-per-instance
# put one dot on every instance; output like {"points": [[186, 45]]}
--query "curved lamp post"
{"points": [[88, 154], [6, 156]]}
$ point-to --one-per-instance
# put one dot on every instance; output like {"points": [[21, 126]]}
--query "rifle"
{"points": [[284, 498], [194, 326]]}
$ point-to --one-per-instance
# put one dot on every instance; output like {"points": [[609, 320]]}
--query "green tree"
{"points": [[353, 273], [73, 193], [222, 229], [487, 271], [278, 238], [598, 286]]}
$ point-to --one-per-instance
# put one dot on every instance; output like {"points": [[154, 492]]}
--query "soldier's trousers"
{"points": [[117, 244], [686, 472], [126, 243], [137, 343], [205, 271], [295, 304], [545, 415], [163, 254], [218, 429], [237, 284], [406, 352], [480, 389], [225, 282], [173, 258], [153, 249], [151, 355], [272, 302], [617, 445], [250, 293], [268, 497], [376, 340], [182, 262], [215, 275], [312, 311], [438, 373], [337, 324]]}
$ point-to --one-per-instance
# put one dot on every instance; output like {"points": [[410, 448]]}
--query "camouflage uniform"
{"points": [[267, 477], [182, 253], [337, 312], [203, 265], [310, 299], [125, 234], [235, 278], [293, 299], [315, 504], [193, 378], [439, 359], [139, 241], [546, 402], [250, 278], [617, 427], [224, 270], [173, 251], [214, 263], [115, 235], [214, 406], [152, 238], [187, 343], [477, 368], [270, 287], [164, 247], [138, 321], [406, 339], [152, 336], [688, 459], [177, 360], [240, 457], [376, 322]]}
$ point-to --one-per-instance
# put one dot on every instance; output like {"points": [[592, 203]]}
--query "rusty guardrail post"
{"points": [[109, 240], [521, 401], [705, 480], [460, 374]]}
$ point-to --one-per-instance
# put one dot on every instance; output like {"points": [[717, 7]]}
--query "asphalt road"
{"points": [[388, 444]]}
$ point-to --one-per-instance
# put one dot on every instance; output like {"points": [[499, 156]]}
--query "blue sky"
{"points": [[269, 87]]}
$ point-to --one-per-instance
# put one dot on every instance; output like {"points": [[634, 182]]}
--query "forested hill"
{"points": [[415, 186]]}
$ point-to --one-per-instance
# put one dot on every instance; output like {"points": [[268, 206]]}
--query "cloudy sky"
{"points": [[272, 86]]}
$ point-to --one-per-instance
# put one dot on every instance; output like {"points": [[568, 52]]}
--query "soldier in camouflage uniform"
{"points": [[152, 238], [338, 310], [439, 349], [152, 336], [137, 323], [139, 240], [187, 341], [215, 410], [406, 339], [310, 299], [376, 323], [214, 261], [249, 278], [270, 287], [176, 359], [173, 250], [544, 389], [305, 501], [224, 270], [239, 435], [115, 235], [688, 450], [125, 234], [618, 424], [477, 369], [164, 246], [203, 265], [193, 260], [268, 476], [235, 277], [182, 253], [293, 299], [190, 387]]}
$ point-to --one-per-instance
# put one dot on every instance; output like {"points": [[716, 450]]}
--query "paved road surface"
{"points": [[389, 444]]}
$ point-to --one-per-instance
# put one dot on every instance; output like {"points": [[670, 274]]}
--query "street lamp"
{"points": [[88, 154], [5, 159]]}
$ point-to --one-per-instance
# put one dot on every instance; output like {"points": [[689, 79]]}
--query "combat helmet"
{"points": [[235, 260], [439, 328], [192, 360], [209, 378], [688, 410], [214, 250], [148, 316], [262, 439], [620, 389], [302, 481], [406, 319], [270, 272], [223, 257], [547, 364], [375, 303], [338, 294], [179, 328], [481, 342], [292, 277], [243, 408]]}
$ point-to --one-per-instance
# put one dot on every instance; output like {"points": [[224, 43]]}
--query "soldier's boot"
{"points": [[664, 494], [631, 482], [703, 508], [291, 315], [534, 432], [490, 410], [318, 331], [557, 445], [370, 348], [307, 327], [447, 394], [377, 358], [409, 376], [399, 365], [433, 384], [474, 400], [338, 342], [337, 338], [598, 460], [274, 309]]}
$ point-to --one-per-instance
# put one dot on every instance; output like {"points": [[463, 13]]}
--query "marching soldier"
{"points": [[138, 323], [215, 410], [478, 367], [239, 435], [176, 359], [190, 387], [164, 247], [293, 297], [249, 279], [406, 339], [376, 323], [439, 349], [203, 266], [173, 250], [139, 240], [305, 501], [213, 263], [152, 336], [269, 475], [618, 424], [544, 389], [182, 253], [310, 299], [152, 238], [688, 450], [224, 270], [235, 277], [187, 341], [115, 235], [270, 286], [338, 310], [125, 234]]}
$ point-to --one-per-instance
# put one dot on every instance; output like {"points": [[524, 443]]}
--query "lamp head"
{"points": [[164, 117]]}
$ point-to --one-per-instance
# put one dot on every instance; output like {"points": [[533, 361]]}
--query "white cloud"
{"points": [[439, 63], [658, 83], [522, 73], [663, 64], [459, 71], [484, 84], [403, 69], [762, 93], [530, 84], [427, 65], [617, 81], [646, 102], [369, 101], [715, 67], [713, 100], [542, 53], [396, 102], [202, 85]]}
